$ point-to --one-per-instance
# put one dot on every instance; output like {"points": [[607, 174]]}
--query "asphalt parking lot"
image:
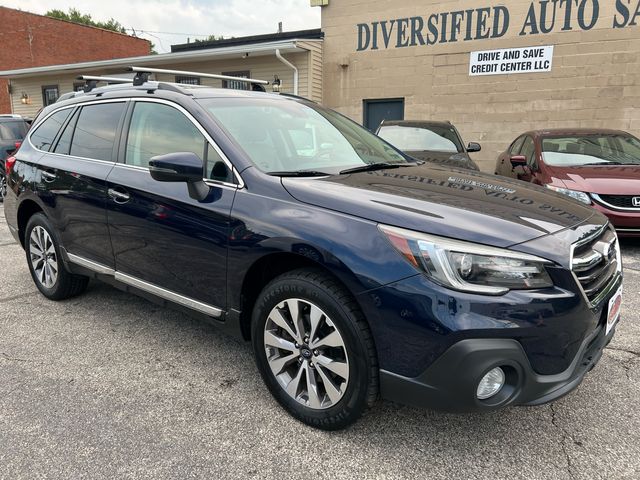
{"points": [[108, 385]]}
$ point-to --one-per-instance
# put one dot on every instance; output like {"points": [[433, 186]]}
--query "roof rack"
{"points": [[143, 73]]}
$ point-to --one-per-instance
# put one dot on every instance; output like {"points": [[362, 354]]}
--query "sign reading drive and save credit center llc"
{"points": [[511, 60]]}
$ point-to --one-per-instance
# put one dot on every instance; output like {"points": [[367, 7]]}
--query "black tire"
{"points": [[339, 305], [66, 284], [3, 187]]}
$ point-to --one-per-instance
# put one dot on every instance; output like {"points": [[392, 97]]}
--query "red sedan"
{"points": [[597, 167]]}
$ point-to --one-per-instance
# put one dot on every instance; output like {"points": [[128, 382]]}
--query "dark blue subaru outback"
{"points": [[355, 271]]}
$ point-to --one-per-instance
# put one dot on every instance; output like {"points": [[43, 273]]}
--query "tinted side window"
{"points": [[43, 136], [528, 149], [158, 129], [64, 142], [95, 131], [516, 146]]}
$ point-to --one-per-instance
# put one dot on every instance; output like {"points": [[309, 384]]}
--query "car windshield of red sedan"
{"points": [[289, 136], [589, 150], [430, 138]]}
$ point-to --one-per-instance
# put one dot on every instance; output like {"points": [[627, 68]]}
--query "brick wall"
{"points": [[29, 40], [595, 80]]}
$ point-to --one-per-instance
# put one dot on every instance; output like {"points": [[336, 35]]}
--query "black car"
{"points": [[354, 270], [437, 142], [13, 128]]}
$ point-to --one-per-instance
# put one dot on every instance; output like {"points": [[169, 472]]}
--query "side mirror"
{"points": [[181, 167], [518, 161], [474, 147]]}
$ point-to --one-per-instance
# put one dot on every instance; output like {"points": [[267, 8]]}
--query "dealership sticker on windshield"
{"points": [[615, 305]]}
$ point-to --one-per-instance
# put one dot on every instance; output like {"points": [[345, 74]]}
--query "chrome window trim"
{"points": [[210, 182], [146, 286], [599, 199], [94, 102], [206, 135]]}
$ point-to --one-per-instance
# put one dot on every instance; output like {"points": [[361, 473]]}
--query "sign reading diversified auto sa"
{"points": [[511, 60]]}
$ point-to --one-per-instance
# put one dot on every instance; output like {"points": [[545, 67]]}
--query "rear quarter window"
{"points": [[43, 135]]}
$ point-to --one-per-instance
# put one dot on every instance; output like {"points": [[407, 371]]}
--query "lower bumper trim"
{"points": [[450, 383]]}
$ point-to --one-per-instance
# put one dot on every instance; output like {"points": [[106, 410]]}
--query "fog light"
{"points": [[491, 384]]}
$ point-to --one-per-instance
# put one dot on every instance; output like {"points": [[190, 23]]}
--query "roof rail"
{"points": [[92, 81], [142, 76]]}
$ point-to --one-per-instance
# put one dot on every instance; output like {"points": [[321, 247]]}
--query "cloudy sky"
{"points": [[180, 19]]}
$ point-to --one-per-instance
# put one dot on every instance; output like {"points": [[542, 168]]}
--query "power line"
{"points": [[137, 30]]}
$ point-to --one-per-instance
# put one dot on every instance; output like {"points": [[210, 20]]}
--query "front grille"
{"points": [[595, 263], [621, 201]]}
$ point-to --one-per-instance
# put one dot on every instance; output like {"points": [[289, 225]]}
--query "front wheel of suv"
{"points": [[314, 349], [45, 263]]}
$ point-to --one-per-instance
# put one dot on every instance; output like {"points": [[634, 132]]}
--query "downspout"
{"points": [[293, 67]]}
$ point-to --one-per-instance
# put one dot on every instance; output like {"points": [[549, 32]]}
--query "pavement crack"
{"points": [[624, 350], [565, 436], [627, 363], [16, 359], [16, 297]]}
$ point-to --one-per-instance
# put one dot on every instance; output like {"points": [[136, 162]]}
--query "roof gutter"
{"points": [[291, 66], [161, 59]]}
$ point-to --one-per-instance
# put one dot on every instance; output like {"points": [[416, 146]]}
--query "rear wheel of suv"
{"points": [[314, 349], [45, 263]]}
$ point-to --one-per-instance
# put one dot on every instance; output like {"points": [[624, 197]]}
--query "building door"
{"points": [[375, 111]]}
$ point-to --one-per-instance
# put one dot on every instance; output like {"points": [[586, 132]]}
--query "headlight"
{"points": [[576, 195], [469, 267]]}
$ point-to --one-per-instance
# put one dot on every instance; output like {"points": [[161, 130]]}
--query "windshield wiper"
{"points": [[375, 166], [299, 173]]}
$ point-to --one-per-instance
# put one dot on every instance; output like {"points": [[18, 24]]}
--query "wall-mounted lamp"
{"points": [[276, 84], [25, 98]]}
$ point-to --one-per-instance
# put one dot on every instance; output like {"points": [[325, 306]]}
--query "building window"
{"points": [[188, 80], [78, 86], [50, 94], [234, 84]]}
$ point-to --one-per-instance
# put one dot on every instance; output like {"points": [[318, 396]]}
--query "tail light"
{"points": [[18, 145], [8, 165]]}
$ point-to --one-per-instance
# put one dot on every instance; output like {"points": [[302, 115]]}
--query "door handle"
{"points": [[117, 196], [48, 176]]}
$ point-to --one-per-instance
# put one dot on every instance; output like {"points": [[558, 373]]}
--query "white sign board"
{"points": [[511, 60]]}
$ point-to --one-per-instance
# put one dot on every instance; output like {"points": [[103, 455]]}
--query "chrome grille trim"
{"points": [[596, 264]]}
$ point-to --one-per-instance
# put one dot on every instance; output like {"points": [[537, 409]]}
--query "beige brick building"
{"points": [[594, 79]]}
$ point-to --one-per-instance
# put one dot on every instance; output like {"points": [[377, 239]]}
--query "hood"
{"points": [[459, 160], [602, 179], [454, 203]]}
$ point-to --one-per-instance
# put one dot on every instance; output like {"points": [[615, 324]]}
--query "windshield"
{"points": [[12, 130], [580, 150], [286, 136], [426, 138]]}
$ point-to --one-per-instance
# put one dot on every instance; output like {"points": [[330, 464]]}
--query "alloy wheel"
{"points": [[306, 354], [42, 254]]}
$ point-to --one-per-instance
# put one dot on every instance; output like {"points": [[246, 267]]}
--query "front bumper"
{"points": [[626, 223], [450, 383]]}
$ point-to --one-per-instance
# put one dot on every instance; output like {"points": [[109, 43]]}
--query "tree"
{"points": [[76, 16], [210, 38]]}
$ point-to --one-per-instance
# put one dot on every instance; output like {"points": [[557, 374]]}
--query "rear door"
{"points": [[164, 241], [73, 177]]}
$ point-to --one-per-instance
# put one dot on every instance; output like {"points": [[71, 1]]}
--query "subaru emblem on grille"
{"points": [[636, 201]]}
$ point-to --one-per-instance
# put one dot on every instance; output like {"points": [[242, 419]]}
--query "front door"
{"points": [[375, 111], [164, 241]]}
